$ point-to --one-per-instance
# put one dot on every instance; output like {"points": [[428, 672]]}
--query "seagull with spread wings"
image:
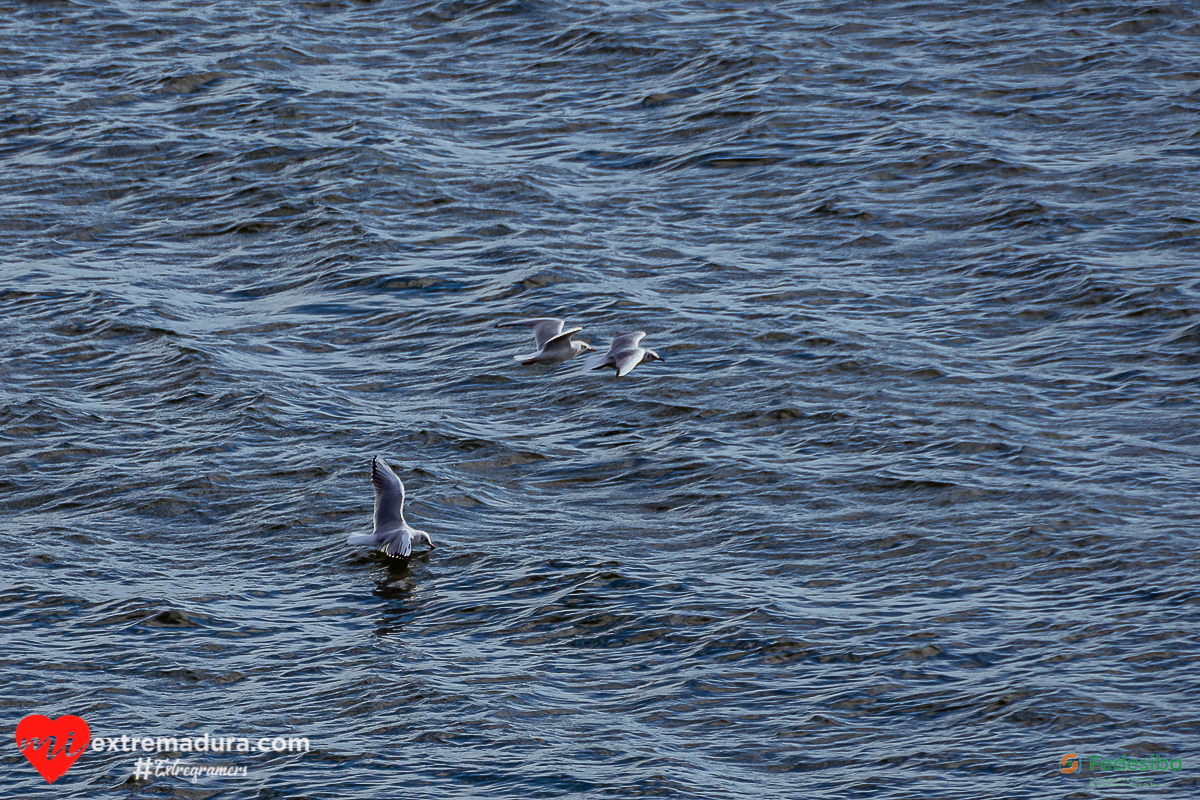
{"points": [[554, 344], [392, 534], [625, 354]]}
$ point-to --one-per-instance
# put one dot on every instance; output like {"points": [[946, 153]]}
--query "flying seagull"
{"points": [[554, 344], [624, 355], [392, 534]]}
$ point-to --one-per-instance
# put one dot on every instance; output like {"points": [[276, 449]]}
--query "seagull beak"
{"points": [[431, 544]]}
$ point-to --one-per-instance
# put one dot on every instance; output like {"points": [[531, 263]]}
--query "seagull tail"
{"points": [[361, 538], [595, 362]]}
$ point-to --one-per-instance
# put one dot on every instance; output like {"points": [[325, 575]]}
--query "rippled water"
{"points": [[908, 512]]}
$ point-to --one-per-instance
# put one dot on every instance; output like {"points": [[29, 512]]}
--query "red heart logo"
{"points": [[70, 735]]}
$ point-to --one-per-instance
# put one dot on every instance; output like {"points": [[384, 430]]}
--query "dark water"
{"points": [[908, 512]]}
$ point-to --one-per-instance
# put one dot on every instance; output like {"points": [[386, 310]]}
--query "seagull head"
{"points": [[652, 356], [422, 536], [581, 346]]}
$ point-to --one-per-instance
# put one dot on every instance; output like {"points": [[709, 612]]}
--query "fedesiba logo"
{"points": [[1120, 773], [1071, 762]]}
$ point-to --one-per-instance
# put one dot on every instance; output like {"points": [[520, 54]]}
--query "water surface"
{"points": [[908, 512]]}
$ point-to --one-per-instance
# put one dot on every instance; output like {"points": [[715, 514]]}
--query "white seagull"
{"points": [[554, 344], [624, 355], [392, 534]]}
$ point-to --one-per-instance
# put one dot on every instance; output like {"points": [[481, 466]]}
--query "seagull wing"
{"points": [[560, 338], [544, 328], [399, 545], [626, 341], [628, 359], [389, 496], [597, 361], [559, 348]]}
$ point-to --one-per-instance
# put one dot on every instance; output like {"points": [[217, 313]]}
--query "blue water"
{"points": [[909, 510]]}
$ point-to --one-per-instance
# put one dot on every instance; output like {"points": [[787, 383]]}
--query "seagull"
{"points": [[392, 534], [624, 355], [554, 344]]}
